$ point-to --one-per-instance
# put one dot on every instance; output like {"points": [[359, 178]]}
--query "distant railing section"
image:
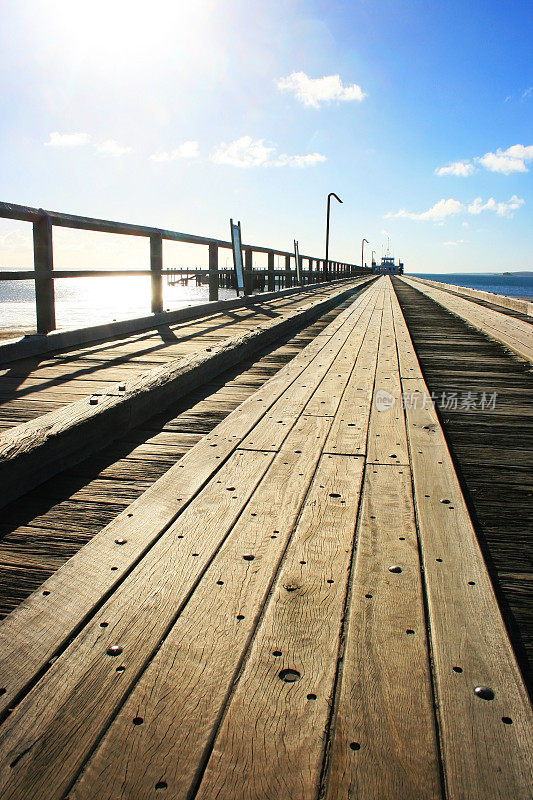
{"points": [[44, 273]]}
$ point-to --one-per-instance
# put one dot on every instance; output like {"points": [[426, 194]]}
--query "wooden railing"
{"points": [[44, 273]]}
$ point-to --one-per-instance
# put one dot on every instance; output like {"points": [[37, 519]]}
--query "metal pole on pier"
{"points": [[362, 251], [326, 262]]}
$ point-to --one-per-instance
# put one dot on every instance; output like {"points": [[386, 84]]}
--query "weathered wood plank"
{"points": [[512, 332], [387, 440], [42, 743], [204, 649], [22, 637], [349, 431], [270, 433], [385, 701], [38, 449], [289, 718], [485, 743]]}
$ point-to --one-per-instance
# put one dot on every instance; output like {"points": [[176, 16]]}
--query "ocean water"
{"points": [[90, 301], [515, 284]]}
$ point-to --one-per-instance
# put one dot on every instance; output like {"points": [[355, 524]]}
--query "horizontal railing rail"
{"points": [[44, 273]]}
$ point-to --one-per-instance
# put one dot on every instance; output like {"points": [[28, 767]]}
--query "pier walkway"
{"points": [[298, 608], [516, 334], [37, 385]]}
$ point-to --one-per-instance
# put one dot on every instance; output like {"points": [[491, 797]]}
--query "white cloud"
{"points": [[527, 93], [507, 161], [112, 148], [448, 208], [314, 91], [247, 152], [460, 168], [184, 150], [502, 209], [437, 213], [243, 152], [453, 244], [67, 139], [300, 161]]}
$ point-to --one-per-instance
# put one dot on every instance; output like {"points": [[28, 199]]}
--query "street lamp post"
{"points": [[372, 259], [326, 262], [362, 252]]}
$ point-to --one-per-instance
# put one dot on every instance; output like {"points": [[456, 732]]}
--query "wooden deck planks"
{"points": [[89, 368], [204, 706], [484, 755], [289, 718], [86, 639], [204, 650], [384, 741], [387, 440], [83, 685], [510, 331], [141, 525], [57, 440], [491, 445], [117, 474], [269, 433]]}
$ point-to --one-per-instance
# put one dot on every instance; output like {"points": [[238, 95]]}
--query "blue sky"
{"points": [[184, 114]]}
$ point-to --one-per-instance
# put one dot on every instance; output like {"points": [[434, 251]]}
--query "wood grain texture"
{"points": [[267, 648], [510, 331], [385, 702], [270, 432], [23, 637], [34, 451], [283, 757], [45, 740], [204, 649], [349, 431], [499, 300], [483, 756], [387, 440], [490, 447]]}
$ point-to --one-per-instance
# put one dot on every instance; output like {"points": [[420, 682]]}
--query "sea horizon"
{"points": [[82, 302]]}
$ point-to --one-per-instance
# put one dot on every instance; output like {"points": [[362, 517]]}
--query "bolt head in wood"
{"points": [[120, 541], [114, 650], [289, 675], [485, 692], [395, 568]]}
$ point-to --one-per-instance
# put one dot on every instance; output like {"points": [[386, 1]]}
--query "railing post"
{"points": [[213, 272], [288, 281], [43, 260], [271, 277], [156, 265], [248, 266]]}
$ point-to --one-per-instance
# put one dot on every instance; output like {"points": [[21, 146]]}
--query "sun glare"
{"points": [[113, 29]]}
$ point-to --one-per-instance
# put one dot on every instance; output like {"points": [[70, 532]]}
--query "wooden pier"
{"points": [[291, 589]]}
